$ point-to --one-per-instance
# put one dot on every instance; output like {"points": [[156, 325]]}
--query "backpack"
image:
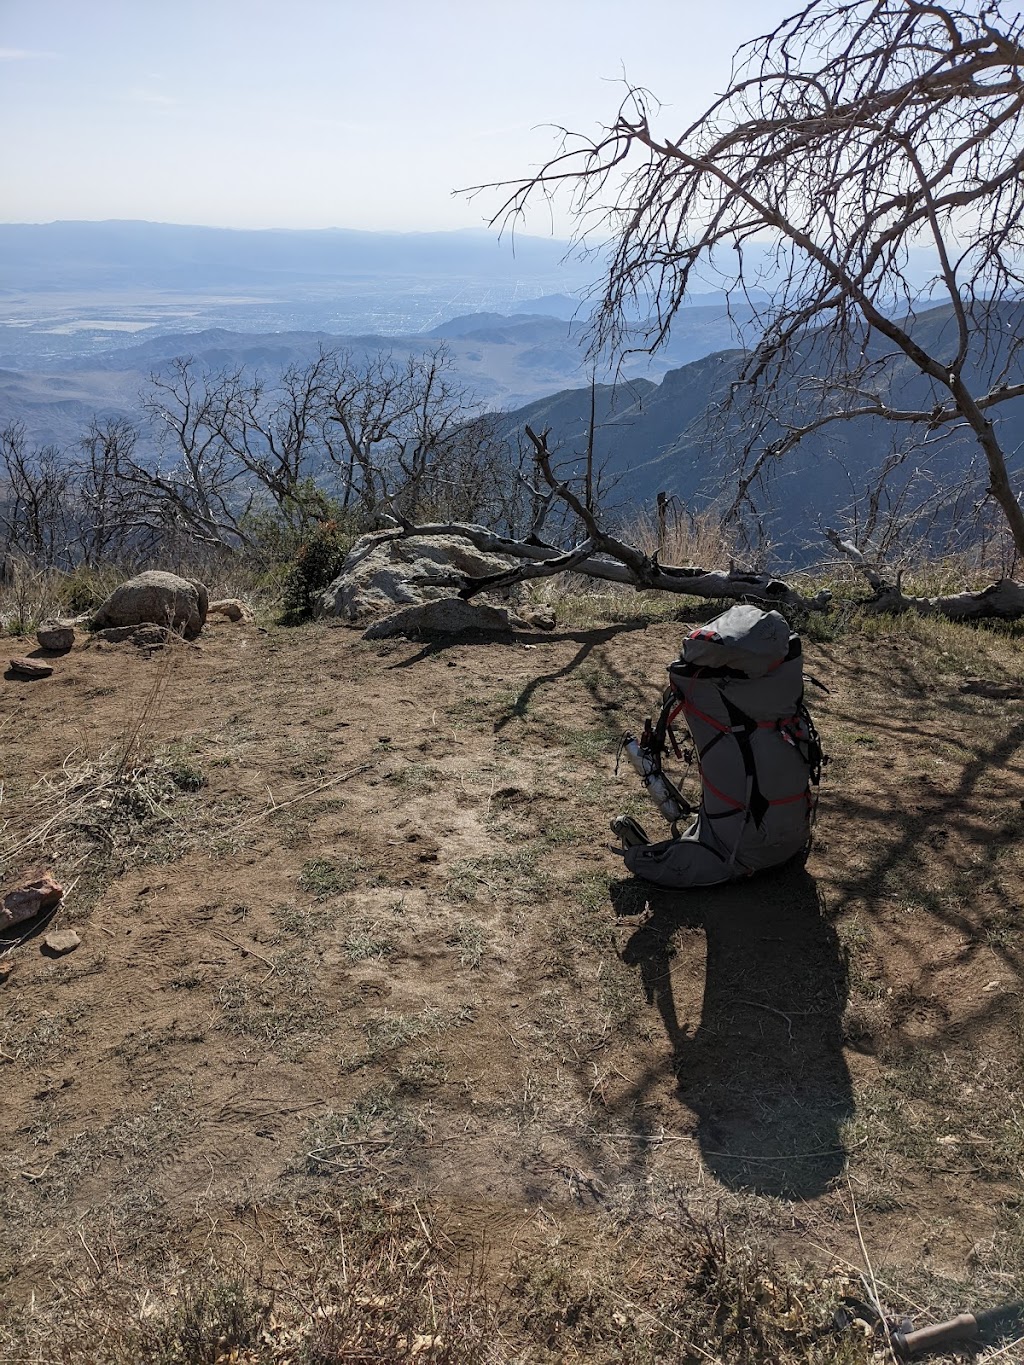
{"points": [[739, 686]]}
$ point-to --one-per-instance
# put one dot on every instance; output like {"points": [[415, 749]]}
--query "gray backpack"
{"points": [[739, 686]]}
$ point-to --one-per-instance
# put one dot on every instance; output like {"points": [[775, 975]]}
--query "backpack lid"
{"points": [[744, 638]]}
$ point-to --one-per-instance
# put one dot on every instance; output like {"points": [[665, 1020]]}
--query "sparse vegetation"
{"points": [[316, 564], [324, 878], [363, 1047], [439, 984]]}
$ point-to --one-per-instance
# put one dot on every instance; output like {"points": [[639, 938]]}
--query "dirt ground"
{"points": [[349, 911]]}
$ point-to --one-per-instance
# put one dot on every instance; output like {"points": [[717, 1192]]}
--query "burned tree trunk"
{"points": [[1003, 599], [602, 555]]}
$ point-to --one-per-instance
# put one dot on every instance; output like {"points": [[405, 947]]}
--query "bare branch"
{"points": [[852, 134]]}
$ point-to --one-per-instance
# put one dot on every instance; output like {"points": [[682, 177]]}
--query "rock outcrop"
{"points": [[156, 598], [384, 571], [452, 616], [447, 616]]}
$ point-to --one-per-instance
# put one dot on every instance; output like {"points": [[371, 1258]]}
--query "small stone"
{"points": [[537, 618], [57, 636], [61, 941], [29, 668], [5, 971], [42, 893], [231, 607]]}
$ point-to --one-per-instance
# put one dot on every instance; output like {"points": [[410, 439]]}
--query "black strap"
{"points": [[743, 727]]}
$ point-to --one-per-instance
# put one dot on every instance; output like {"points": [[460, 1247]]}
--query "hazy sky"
{"points": [[326, 113]]}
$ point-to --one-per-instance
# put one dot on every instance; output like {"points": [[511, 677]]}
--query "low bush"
{"points": [[317, 564]]}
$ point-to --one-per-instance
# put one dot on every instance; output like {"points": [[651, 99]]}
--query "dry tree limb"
{"points": [[1002, 599], [852, 134], [604, 556]]}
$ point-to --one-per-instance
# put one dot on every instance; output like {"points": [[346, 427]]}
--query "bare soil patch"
{"points": [[350, 920]]}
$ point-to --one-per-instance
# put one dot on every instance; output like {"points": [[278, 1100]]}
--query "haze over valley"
{"points": [[88, 311]]}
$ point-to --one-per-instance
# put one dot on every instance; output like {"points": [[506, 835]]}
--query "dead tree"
{"points": [[1004, 598], [275, 432], [196, 485], [405, 433], [33, 503], [849, 136], [598, 553], [108, 507]]}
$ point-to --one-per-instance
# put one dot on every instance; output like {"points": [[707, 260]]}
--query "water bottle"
{"points": [[652, 779]]}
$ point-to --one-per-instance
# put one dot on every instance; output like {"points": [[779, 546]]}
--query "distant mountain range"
{"points": [[652, 437], [88, 311], [128, 255], [73, 289], [80, 289], [502, 361]]}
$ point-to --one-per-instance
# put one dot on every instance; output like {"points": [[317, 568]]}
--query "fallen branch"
{"points": [[601, 555], [1003, 599], [604, 556]]}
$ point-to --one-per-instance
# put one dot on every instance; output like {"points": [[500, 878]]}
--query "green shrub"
{"points": [[317, 564], [275, 533], [85, 588]]}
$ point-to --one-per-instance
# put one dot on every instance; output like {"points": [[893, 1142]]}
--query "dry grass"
{"points": [[684, 537], [31, 594], [103, 811], [377, 1278]]}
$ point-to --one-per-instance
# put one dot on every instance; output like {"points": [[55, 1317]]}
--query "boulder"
{"points": [[39, 894], [158, 598], [143, 637], [57, 636], [446, 616], [384, 571]]}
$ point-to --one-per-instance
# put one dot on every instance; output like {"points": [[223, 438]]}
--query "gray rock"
{"points": [[61, 941], [447, 616], [57, 636], [156, 598], [383, 571], [144, 636]]}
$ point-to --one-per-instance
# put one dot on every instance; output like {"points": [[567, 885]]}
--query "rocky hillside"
{"points": [[667, 437]]}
